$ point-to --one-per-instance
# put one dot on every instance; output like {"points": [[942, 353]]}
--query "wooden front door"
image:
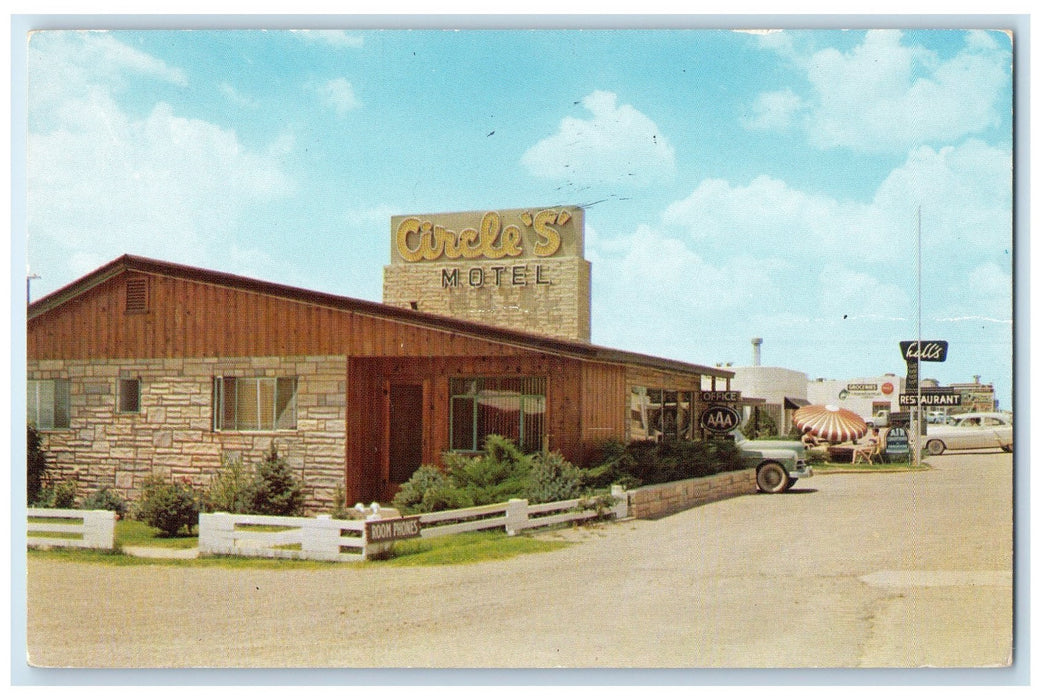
{"points": [[405, 437]]}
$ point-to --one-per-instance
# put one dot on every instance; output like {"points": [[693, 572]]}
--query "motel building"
{"points": [[144, 366]]}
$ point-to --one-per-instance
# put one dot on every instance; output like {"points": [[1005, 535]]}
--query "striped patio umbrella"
{"points": [[830, 423]]}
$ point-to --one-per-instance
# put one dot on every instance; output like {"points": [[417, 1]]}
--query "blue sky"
{"points": [[738, 184]]}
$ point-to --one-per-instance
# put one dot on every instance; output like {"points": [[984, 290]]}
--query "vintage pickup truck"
{"points": [[778, 463]]}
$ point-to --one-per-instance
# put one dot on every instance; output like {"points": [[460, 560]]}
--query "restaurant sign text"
{"points": [[937, 398]]}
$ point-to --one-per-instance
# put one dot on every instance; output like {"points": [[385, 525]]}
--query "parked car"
{"points": [[778, 463], [971, 431]]}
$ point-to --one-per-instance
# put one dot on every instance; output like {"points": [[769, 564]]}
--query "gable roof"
{"points": [[531, 341]]}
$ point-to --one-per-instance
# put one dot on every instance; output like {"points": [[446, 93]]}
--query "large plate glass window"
{"points": [[254, 403], [47, 403], [514, 407]]}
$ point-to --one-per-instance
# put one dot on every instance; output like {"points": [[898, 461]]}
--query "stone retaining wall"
{"points": [[663, 499]]}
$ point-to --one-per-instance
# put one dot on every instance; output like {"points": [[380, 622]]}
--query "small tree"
{"points": [[553, 478], [274, 490], [168, 506], [228, 490], [105, 499], [36, 465]]}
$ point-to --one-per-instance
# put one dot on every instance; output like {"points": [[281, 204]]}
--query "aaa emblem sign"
{"points": [[720, 419]]}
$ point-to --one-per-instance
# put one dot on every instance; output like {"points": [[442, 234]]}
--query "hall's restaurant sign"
{"points": [[924, 350]]}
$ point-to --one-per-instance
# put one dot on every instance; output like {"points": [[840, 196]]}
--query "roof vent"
{"points": [[137, 295]]}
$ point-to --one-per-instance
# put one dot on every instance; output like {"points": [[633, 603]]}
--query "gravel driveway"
{"points": [[850, 570]]}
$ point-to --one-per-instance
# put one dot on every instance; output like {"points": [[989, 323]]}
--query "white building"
{"points": [[783, 389]]}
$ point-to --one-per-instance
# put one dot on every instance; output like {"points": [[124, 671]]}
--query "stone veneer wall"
{"points": [[559, 307], [173, 435], [663, 499]]}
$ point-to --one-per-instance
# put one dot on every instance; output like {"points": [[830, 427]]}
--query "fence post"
{"points": [[319, 539], [216, 533], [621, 501], [99, 529], [516, 515]]}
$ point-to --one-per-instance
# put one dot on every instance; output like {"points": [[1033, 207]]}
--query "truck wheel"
{"points": [[935, 447], [772, 478]]}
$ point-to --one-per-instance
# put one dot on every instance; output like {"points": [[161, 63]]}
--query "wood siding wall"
{"points": [[194, 319], [367, 384]]}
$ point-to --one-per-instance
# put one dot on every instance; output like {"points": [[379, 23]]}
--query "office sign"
{"points": [[924, 350], [720, 396], [720, 419]]}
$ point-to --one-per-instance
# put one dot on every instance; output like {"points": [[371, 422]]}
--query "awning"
{"points": [[789, 402]]}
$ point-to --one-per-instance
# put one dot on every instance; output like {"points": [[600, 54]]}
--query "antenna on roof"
{"points": [[29, 277]]}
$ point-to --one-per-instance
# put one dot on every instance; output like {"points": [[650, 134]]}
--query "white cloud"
{"points": [[339, 94], [336, 38], [774, 111], [619, 144], [237, 98], [733, 261], [886, 96], [102, 182]]}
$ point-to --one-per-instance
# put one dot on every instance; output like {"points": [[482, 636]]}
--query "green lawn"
{"points": [[134, 533]]}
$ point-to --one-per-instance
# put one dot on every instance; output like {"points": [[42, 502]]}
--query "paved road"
{"points": [[849, 570]]}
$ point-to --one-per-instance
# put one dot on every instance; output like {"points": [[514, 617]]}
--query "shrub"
{"points": [[228, 490], [60, 494], [762, 427], [644, 462], [274, 490], [612, 465], [168, 506], [103, 499], [36, 465], [410, 496], [553, 478], [495, 476]]}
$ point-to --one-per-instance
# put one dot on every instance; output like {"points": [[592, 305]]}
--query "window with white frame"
{"points": [[47, 403], [254, 403]]}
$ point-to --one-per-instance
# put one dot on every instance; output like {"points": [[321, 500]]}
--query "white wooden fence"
{"points": [[273, 536], [326, 539], [63, 527]]}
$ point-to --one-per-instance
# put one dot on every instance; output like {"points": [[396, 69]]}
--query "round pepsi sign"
{"points": [[720, 419]]}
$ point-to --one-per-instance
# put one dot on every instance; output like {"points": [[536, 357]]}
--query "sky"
{"points": [[737, 184]]}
